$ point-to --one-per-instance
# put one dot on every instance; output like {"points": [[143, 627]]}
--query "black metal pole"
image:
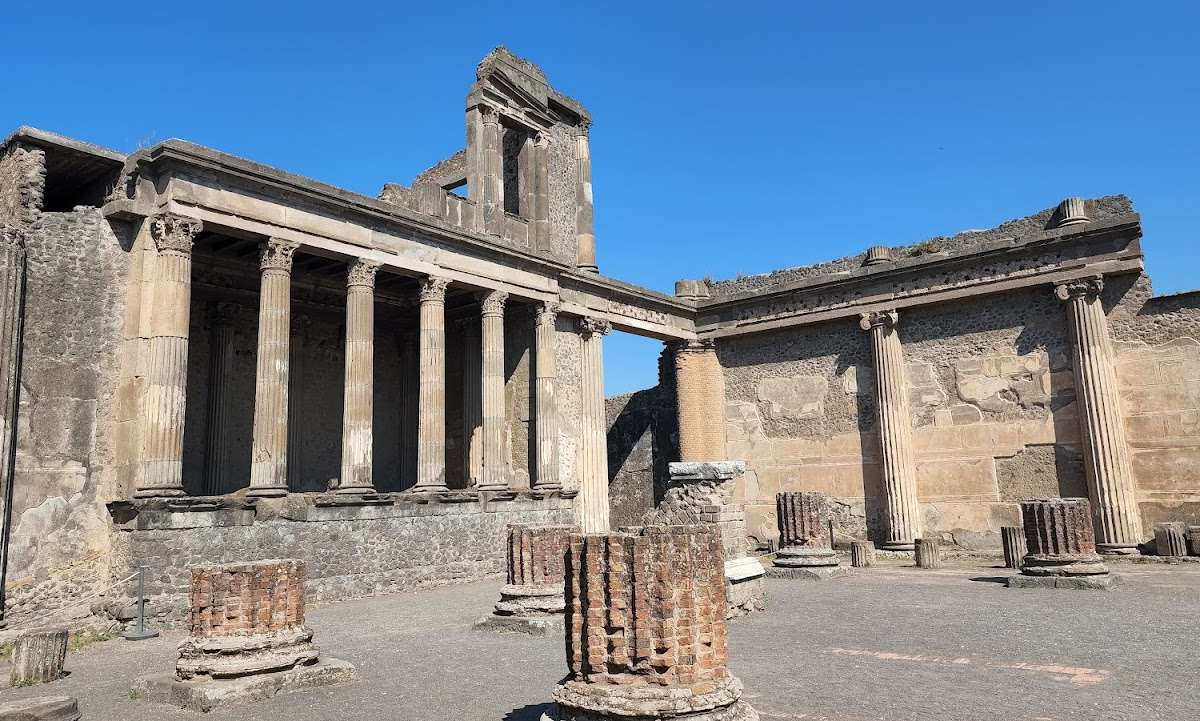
{"points": [[10, 469]]}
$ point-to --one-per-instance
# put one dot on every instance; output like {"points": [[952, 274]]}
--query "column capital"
{"points": [[172, 232], [589, 326], [1080, 288], [547, 312], [493, 303], [433, 288], [362, 273], [276, 254], [878, 318], [696, 345]]}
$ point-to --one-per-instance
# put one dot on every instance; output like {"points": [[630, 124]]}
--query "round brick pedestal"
{"points": [[532, 600]]}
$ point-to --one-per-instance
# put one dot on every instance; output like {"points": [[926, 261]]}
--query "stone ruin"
{"points": [[531, 600], [806, 550], [246, 639], [1061, 547], [646, 633]]}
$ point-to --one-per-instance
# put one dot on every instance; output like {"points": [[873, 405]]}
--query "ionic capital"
{"points": [[1080, 288], [493, 303], [174, 233], [878, 319], [362, 273], [277, 254], [547, 313], [433, 289], [594, 326]]}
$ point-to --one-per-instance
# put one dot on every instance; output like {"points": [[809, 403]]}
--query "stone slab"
{"points": [[809, 573], [41, 708], [740, 569], [528, 625], [745, 597], [1100, 582], [208, 695]]}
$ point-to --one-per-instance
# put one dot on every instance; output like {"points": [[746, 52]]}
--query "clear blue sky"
{"points": [[728, 138]]}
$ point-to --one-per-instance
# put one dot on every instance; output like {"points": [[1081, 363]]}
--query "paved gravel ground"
{"points": [[894, 643]]}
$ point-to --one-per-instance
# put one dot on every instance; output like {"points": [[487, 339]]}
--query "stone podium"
{"points": [[646, 634], [532, 599], [805, 549], [246, 640], [1061, 547], [702, 492]]}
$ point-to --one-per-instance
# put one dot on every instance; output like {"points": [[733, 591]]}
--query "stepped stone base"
{"points": [[796, 556], [533, 609], [208, 695], [809, 573], [529, 625], [41, 708], [1098, 582], [740, 711], [716, 701]]}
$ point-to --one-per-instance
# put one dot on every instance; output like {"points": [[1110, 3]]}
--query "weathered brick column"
{"points": [[700, 401], [1106, 452], [804, 543], [1061, 546], [546, 423], [585, 234], [492, 314], [245, 618], [532, 599], [165, 397], [431, 426], [646, 634], [592, 502], [268, 469], [895, 431], [358, 421]]}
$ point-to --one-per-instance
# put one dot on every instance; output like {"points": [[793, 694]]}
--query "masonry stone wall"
{"points": [[643, 438]]}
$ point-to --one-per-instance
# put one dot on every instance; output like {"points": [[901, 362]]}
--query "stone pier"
{"points": [[532, 599], [1061, 547], [646, 634], [805, 549], [246, 640], [895, 431], [592, 502], [268, 470], [1106, 450]]}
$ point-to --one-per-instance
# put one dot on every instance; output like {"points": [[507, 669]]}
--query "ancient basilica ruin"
{"points": [[209, 360]]}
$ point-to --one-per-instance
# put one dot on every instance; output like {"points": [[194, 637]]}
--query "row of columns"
{"points": [[165, 395]]}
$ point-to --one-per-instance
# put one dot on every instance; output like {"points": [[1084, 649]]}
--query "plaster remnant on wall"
{"points": [[1003, 383], [925, 393], [793, 397]]}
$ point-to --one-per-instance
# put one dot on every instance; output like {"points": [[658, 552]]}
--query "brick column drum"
{"points": [[532, 599], [646, 634], [700, 402], [804, 543], [1061, 546], [245, 618]]}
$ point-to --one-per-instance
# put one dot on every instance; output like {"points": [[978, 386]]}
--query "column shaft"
{"points": [[1106, 451], [700, 400], [472, 402], [409, 411], [165, 397], [585, 237], [546, 402], [296, 380], [268, 470], [592, 508], [431, 427], [492, 337], [216, 445], [895, 431], [358, 410]]}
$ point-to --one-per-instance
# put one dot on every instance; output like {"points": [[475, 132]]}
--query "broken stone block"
{"points": [[41, 708], [862, 554], [38, 656], [1013, 539], [805, 550], [1171, 538], [532, 599], [928, 553], [1061, 544]]}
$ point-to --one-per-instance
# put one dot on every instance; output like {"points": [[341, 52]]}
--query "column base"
{"points": [[494, 488], [1118, 549], [170, 492], [714, 701], [267, 491], [432, 489], [205, 696], [355, 490], [1101, 582]]}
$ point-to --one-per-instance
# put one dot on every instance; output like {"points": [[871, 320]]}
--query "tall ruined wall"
{"points": [[643, 437], [74, 305]]}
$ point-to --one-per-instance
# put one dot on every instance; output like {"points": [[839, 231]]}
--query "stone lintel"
{"points": [[706, 470]]}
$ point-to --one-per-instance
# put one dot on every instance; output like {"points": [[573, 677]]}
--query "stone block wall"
{"points": [[643, 438]]}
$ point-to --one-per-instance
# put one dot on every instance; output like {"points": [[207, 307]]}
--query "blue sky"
{"points": [[727, 138]]}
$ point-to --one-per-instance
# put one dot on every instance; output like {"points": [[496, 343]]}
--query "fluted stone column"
{"points": [[268, 468], [492, 340], [472, 401], [1061, 545], [165, 396], [700, 401], [585, 234], [296, 379], [592, 504], [358, 409], [431, 425], [1013, 540], [805, 550], [1109, 473], [895, 431], [222, 317], [485, 167], [546, 423]]}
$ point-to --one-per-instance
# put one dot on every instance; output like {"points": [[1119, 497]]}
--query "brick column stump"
{"points": [[1061, 546], [246, 640], [646, 635], [805, 549], [532, 599]]}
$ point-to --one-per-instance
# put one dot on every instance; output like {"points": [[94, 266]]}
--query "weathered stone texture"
{"points": [[1170, 539], [38, 656], [22, 184], [1059, 538]]}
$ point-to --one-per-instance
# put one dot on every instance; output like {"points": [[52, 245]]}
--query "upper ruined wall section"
{"points": [[450, 171], [1099, 209], [22, 183]]}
